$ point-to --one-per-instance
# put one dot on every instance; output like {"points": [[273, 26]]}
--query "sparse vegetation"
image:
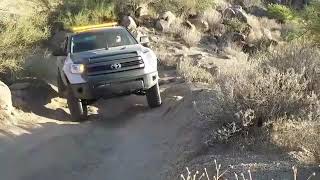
{"points": [[193, 73], [312, 19], [84, 12], [220, 173], [190, 37], [281, 84], [19, 37], [182, 7], [281, 12]]}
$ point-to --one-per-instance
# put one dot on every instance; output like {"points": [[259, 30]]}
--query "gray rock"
{"points": [[5, 99], [162, 25], [168, 16], [128, 22], [142, 10]]}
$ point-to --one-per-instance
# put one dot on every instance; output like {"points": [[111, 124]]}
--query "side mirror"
{"points": [[144, 40], [59, 52]]}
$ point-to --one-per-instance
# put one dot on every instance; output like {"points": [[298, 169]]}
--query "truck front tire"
{"points": [[61, 86], [78, 109], [153, 96]]}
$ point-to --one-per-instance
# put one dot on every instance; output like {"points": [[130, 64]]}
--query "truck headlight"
{"points": [[77, 68]]}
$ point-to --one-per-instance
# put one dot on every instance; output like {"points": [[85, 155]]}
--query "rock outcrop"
{"points": [[5, 99], [164, 21], [129, 23]]}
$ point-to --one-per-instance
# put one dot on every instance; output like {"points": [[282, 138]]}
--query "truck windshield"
{"points": [[101, 39]]}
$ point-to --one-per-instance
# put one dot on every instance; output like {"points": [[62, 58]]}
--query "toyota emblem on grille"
{"points": [[115, 66]]}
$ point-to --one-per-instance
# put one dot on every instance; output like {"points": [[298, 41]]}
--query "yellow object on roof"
{"points": [[93, 27]]}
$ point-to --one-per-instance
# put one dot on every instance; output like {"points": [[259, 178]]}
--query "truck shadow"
{"points": [[117, 111], [41, 99]]}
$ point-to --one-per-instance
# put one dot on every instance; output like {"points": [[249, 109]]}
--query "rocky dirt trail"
{"points": [[123, 138]]}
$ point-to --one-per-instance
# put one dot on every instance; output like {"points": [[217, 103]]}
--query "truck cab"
{"points": [[105, 61]]}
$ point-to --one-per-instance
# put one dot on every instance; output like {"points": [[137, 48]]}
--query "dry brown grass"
{"points": [[193, 73], [278, 87], [19, 37], [298, 135], [220, 173], [214, 19], [276, 84], [263, 28], [190, 37]]}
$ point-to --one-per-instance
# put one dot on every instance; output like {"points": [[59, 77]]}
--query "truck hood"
{"points": [[85, 57]]}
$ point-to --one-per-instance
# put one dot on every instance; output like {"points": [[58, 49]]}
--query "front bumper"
{"points": [[106, 87]]}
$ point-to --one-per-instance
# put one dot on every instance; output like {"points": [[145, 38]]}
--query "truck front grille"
{"points": [[118, 63]]}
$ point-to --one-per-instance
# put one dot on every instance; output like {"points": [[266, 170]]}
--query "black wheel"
{"points": [[78, 109], [61, 86], [153, 96]]}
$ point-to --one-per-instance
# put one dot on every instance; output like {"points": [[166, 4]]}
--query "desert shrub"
{"points": [[182, 7], [247, 3], [312, 19], [292, 30], [283, 82], [300, 56], [18, 38], [297, 134], [190, 37], [213, 17], [263, 29], [24, 31], [235, 25], [193, 73], [84, 12], [281, 12]]}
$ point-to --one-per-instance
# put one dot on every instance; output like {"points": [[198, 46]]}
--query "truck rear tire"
{"points": [[153, 96], [78, 109]]}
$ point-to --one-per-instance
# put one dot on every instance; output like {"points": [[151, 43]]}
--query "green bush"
{"points": [[312, 19], [84, 12], [18, 37], [281, 12], [235, 25]]}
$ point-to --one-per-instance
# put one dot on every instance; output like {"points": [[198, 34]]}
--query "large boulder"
{"points": [[162, 25], [168, 16], [128, 22], [146, 21], [164, 21], [5, 99], [142, 10], [200, 23]]}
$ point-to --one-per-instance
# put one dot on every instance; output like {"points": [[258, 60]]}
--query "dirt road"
{"points": [[125, 141]]}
